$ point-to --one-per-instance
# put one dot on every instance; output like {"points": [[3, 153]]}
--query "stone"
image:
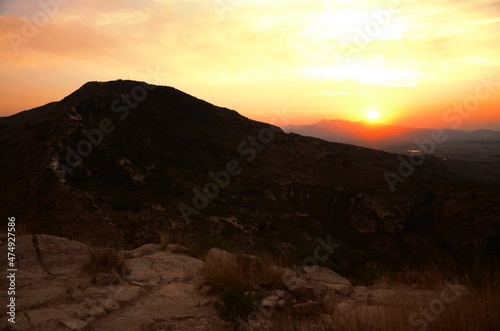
{"points": [[30, 297], [78, 296], [281, 293], [126, 294], [104, 279], [177, 249], [98, 311], [61, 256], [206, 290], [297, 285], [306, 308], [340, 289], [95, 292], [270, 301], [330, 301], [219, 259], [43, 315], [143, 250], [74, 323], [324, 275], [110, 305]]}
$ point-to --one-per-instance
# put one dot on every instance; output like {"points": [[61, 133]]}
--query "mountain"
{"points": [[376, 135], [118, 162]]}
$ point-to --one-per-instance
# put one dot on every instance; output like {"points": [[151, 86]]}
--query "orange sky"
{"points": [[418, 63]]}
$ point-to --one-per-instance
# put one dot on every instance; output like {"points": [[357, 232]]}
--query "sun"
{"points": [[372, 114]]}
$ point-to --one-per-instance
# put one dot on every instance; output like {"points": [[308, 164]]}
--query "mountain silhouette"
{"points": [[117, 162], [376, 135]]}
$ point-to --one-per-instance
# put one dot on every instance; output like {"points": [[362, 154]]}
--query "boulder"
{"points": [[40, 316], [74, 323], [297, 285], [324, 275], [61, 256], [306, 308], [126, 294]]}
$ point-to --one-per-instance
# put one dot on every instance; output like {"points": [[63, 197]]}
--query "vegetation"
{"points": [[234, 305], [105, 260]]}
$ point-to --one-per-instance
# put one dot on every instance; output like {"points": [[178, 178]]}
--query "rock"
{"points": [[126, 294], [324, 275], [141, 271], [84, 313], [298, 286], [95, 292], [78, 296], [221, 267], [370, 213], [270, 301], [220, 259], [281, 294], [74, 323], [306, 308], [110, 305], [33, 272], [98, 311], [340, 289], [330, 301], [144, 250], [320, 289], [30, 297], [43, 315], [104, 279], [271, 276], [206, 290], [61, 256], [177, 249], [306, 293]]}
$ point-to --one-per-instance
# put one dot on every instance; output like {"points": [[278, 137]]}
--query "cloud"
{"points": [[263, 49]]}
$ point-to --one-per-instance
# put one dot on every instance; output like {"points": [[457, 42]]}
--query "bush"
{"points": [[235, 305], [105, 260]]}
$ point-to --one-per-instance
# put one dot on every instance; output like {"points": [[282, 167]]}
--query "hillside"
{"points": [[150, 159]]}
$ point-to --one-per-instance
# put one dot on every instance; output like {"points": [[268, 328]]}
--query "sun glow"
{"points": [[372, 114]]}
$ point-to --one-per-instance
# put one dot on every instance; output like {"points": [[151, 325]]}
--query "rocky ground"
{"points": [[164, 289]]}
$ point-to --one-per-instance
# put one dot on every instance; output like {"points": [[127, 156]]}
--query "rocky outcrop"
{"points": [[372, 214], [155, 292], [161, 290]]}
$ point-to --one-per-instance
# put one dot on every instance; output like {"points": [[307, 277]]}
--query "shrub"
{"points": [[235, 305], [105, 260]]}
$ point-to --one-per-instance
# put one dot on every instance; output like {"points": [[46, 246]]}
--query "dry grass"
{"points": [[165, 239], [244, 270], [477, 308], [423, 305], [225, 273], [105, 260]]}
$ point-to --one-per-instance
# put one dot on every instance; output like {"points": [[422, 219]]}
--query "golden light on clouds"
{"points": [[319, 59]]}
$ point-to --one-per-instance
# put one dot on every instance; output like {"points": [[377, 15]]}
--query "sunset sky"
{"points": [[414, 63]]}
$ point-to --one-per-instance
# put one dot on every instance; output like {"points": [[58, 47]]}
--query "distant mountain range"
{"points": [[375, 134]]}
